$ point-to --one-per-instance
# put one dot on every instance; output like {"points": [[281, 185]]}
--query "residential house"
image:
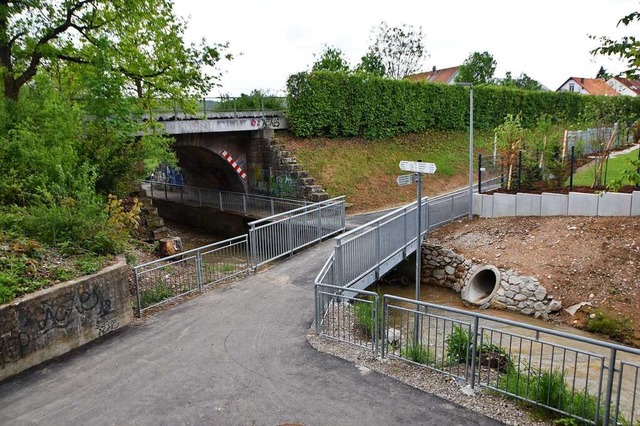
{"points": [[624, 86], [444, 75], [587, 86]]}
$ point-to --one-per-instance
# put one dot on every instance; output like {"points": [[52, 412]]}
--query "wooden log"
{"points": [[170, 246]]}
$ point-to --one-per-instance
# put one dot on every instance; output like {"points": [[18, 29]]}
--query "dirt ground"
{"points": [[578, 259]]}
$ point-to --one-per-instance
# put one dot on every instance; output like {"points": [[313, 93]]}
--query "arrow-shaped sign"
{"points": [[407, 179], [417, 167]]}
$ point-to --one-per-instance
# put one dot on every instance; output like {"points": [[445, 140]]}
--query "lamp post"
{"points": [[470, 85]]}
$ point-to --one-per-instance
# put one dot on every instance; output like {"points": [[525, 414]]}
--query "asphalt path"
{"points": [[234, 356]]}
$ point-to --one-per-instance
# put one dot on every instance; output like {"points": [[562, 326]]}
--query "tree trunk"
{"points": [[170, 246]]}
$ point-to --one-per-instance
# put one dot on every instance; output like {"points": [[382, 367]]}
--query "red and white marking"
{"points": [[233, 163]]}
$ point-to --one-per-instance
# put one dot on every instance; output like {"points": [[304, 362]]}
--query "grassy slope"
{"points": [[614, 170], [365, 171]]}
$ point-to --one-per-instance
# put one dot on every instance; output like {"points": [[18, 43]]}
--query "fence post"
{"points": [[316, 299], [244, 203], [573, 158], [199, 269], [638, 184], [135, 274], [272, 209], [338, 273], [290, 235], [253, 248], [319, 224], [383, 343], [151, 189], [608, 391], [166, 197], [181, 195], [479, 173], [519, 169], [204, 107], [220, 199], [375, 313], [474, 349], [377, 249]]}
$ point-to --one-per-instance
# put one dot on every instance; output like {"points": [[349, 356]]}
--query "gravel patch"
{"points": [[480, 400]]}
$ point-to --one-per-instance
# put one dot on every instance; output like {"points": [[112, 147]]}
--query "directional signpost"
{"points": [[418, 168]]}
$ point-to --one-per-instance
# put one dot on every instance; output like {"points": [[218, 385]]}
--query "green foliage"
{"points": [[331, 59], [550, 389], [627, 48], [254, 101], [629, 175], [619, 329], [362, 105], [415, 352], [522, 82], [399, 49], [372, 64], [365, 319], [459, 345], [478, 68], [155, 295]]}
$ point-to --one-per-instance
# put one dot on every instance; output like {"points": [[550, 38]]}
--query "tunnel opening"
{"points": [[482, 285], [205, 169]]}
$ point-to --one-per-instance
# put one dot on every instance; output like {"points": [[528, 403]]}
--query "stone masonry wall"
{"points": [[51, 322], [273, 171], [444, 267]]}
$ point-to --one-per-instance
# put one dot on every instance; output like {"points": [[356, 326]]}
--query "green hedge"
{"points": [[359, 105]]}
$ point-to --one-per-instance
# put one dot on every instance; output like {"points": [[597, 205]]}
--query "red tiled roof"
{"points": [[595, 86], [633, 85], [444, 75]]}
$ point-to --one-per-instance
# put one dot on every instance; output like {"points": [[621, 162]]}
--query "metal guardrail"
{"points": [[237, 202], [282, 234], [364, 254], [291, 226], [587, 379], [210, 106], [163, 280]]}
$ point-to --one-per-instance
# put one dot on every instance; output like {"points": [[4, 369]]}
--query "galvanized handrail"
{"points": [[238, 202]]}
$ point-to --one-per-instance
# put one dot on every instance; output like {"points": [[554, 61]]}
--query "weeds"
{"points": [[365, 317], [156, 295], [619, 329], [459, 345], [415, 352]]}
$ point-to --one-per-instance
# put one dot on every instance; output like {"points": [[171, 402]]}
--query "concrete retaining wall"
{"points": [[547, 204], [51, 322]]}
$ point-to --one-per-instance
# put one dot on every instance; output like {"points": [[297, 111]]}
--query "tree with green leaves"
{"points": [[140, 40], [478, 68], [522, 82], [399, 49], [627, 48], [330, 59], [371, 63], [603, 74]]}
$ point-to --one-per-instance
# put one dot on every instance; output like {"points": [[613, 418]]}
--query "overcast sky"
{"points": [[547, 39]]}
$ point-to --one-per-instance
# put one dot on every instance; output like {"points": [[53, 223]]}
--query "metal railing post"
{"points": [[247, 254], [181, 195], [319, 233], [253, 248], [375, 312], [151, 189], [135, 273], [244, 203], [383, 344], [290, 236], [272, 208], [199, 269], [316, 298], [608, 391], [166, 196], [474, 348], [220, 199], [338, 273], [378, 250], [479, 173]]}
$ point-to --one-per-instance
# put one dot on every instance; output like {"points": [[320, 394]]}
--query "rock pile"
{"points": [[444, 267]]}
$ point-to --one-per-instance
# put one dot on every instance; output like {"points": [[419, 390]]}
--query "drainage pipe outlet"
{"points": [[482, 285]]}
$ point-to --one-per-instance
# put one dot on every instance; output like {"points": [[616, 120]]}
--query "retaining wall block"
{"points": [[553, 204], [528, 204], [487, 206], [614, 204], [635, 203], [583, 204], [477, 204], [504, 205]]}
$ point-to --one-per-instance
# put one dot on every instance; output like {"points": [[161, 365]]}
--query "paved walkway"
{"points": [[229, 357]]}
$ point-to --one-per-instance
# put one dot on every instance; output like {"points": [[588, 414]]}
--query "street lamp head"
{"points": [[464, 84]]}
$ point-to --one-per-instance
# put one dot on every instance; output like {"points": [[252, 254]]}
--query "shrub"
{"points": [[459, 345], [365, 318]]}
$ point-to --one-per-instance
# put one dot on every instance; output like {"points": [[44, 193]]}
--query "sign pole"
{"points": [[416, 328]]}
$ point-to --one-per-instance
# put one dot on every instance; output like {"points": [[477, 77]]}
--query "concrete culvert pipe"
{"points": [[482, 285]]}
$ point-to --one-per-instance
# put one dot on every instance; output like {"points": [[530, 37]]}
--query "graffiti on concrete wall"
{"points": [[33, 324]]}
